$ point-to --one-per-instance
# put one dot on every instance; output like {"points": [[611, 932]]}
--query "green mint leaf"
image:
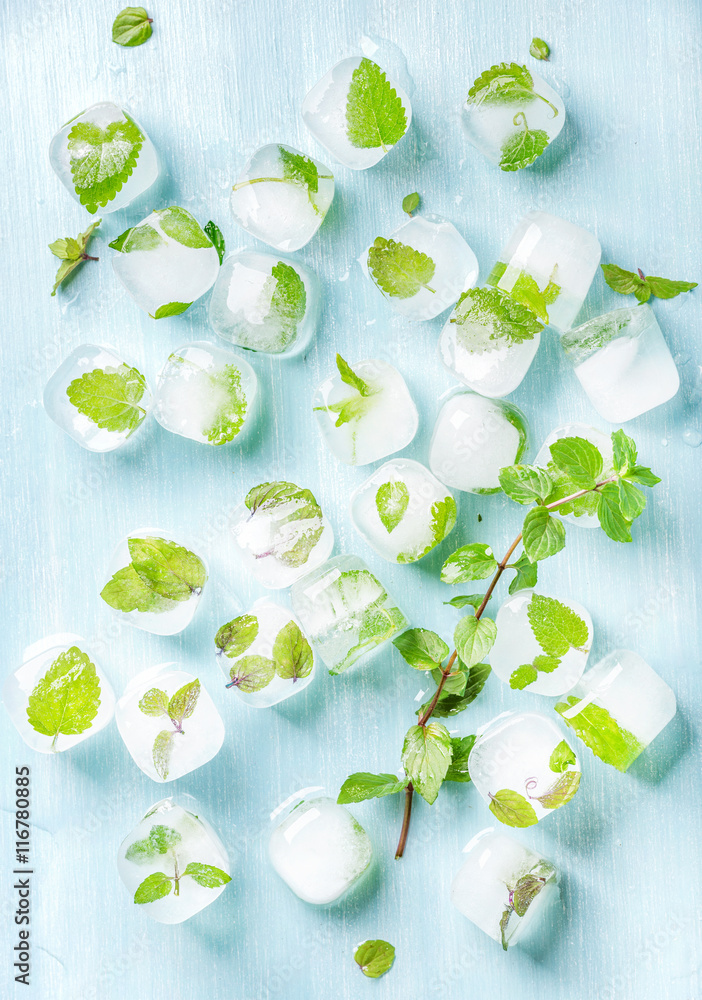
{"points": [[168, 569], [526, 574], [426, 755], [349, 376], [523, 676], [487, 318], [443, 519], [67, 698], [110, 397], [161, 752], [462, 601], [452, 704], [66, 249], [579, 459], [455, 683], [530, 885], [539, 49], [170, 309], [206, 875], [542, 534], [474, 638], [631, 283], [102, 160], [619, 280], [504, 920], [72, 252], [391, 501], [374, 112], [127, 592], [470, 562], [665, 288], [460, 751], [610, 515], [374, 958], [132, 26], [236, 636], [154, 703], [562, 757], [640, 474], [251, 674], [298, 524], [504, 83], [512, 809], [398, 269], [232, 412], [214, 234], [362, 785], [292, 653], [421, 648], [556, 627], [526, 291], [525, 483], [546, 664], [182, 704], [153, 887], [522, 148], [562, 791], [65, 268], [631, 500], [410, 203], [142, 237], [600, 731], [300, 170], [624, 452], [161, 840], [182, 227], [289, 300]]}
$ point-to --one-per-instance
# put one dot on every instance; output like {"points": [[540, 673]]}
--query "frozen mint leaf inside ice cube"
{"points": [[110, 397], [374, 112], [398, 269], [102, 159], [391, 501], [66, 699]]}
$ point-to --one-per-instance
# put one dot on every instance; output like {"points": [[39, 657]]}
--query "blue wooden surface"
{"points": [[214, 82]]}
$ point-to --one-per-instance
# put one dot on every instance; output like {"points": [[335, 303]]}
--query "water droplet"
{"points": [[371, 322], [664, 442], [458, 199], [345, 276], [692, 437]]}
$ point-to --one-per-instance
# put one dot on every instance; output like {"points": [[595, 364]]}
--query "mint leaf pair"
{"points": [[103, 160], [110, 398], [375, 116], [643, 286], [67, 698], [513, 809], [295, 520], [160, 575], [71, 252], [292, 657], [178, 708]]}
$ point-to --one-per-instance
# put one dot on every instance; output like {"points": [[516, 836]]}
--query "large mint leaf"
{"points": [[426, 756], [522, 148], [504, 83], [398, 269], [391, 501], [67, 698], [487, 319], [153, 887], [525, 484], [292, 653], [543, 535], [601, 732], [556, 627], [132, 26], [471, 562], [168, 569], [581, 461], [208, 876], [561, 791], [421, 648], [110, 397], [474, 638], [102, 160], [126, 591], [361, 786], [375, 116]]}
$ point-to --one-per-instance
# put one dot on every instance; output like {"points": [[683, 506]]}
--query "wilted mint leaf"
{"points": [[71, 252], [67, 698], [474, 638], [426, 756], [601, 732], [109, 397], [374, 958], [631, 500], [398, 269], [374, 112], [214, 233], [471, 562], [410, 203], [562, 791], [102, 160], [421, 648], [512, 809], [504, 83], [539, 49], [542, 534], [391, 501], [132, 26], [297, 525], [530, 885], [562, 757], [292, 653], [361, 786]]}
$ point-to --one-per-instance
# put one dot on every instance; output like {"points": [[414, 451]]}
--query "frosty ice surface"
{"points": [[319, 850], [173, 864], [473, 439], [104, 158], [366, 412], [403, 511], [282, 196], [523, 767], [263, 303], [542, 643], [503, 887], [421, 268], [281, 533], [582, 511], [357, 112], [59, 696], [97, 398], [622, 362], [346, 611], [168, 722], [264, 655], [619, 707], [206, 394], [165, 262]]}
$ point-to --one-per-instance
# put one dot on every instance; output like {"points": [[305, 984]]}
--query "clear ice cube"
{"points": [[97, 398], [264, 655], [59, 696], [582, 511], [262, 303], [104, 158], [622, 362], [319, 850], [473, 439], [403, 511], [165, 262], [282, 196], [619, 707], [168, 722], [206, 393], [173, 864], [357, 112], [346, 611]]}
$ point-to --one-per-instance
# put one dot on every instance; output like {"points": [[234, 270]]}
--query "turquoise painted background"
{"points": [[215, 81]]}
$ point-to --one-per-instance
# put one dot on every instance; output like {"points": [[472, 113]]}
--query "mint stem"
{"points": [[277, 180], [86, 256]]}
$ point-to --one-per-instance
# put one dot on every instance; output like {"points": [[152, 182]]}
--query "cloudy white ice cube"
{"points": [[583, 511]]}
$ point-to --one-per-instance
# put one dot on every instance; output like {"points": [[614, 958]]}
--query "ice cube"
{"points": [[154, 581], [263, 303], [357, 112], [346, 611], [97, 398], [281, 533], [173, 863], [366, 412], [168, 722], [422, 267], [582, 511], [542, 644], [619, 707], [104, 158], [264, 655], [503, 887], [403, 511], [511, 115], [165, 262], [473, 439], [523, 768], [319, 849], [622, 362], [206, 394], [282, 196], [59, 696]]}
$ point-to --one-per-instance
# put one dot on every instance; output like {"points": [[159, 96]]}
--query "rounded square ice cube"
{"points": [[357, 112], [59, 696], [168, 722], [282, 196], [366, 412], [154, 582], [503, 887], [281, 533], [346, 611], [523, 768], [548, 265], [622, 362], [511, 115], [619, 707], [582, 511], [473, 439], [206, 393], [403, 511], [421, 268], [319, 849], [97, 398], [542, 644], [265, 655], [262, 303], [165, 262], [173, 864], [104, 158]]}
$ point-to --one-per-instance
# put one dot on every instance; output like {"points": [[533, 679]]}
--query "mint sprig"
{"points": [[177, 709], [132, 26], [71, 252], [643, 286], [67, 698], [375, 116]]}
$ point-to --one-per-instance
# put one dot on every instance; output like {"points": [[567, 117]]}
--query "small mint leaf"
{"points": [[512, 809], [374, 958], [132, 26], [214, 233], [362, 785]]}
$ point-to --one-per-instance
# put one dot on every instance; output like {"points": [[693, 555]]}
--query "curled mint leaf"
{"points": [[233, 406], [289, 300], [504, 83], [161, 840], [183, 227], [214, 234], [361, 786], [562, 791], [374, 958], [132, 26], [295, 520], [450, 704], [67, 698], [352, 407], [466, 600], [398, 269], [612, 519], [375, 116]]}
